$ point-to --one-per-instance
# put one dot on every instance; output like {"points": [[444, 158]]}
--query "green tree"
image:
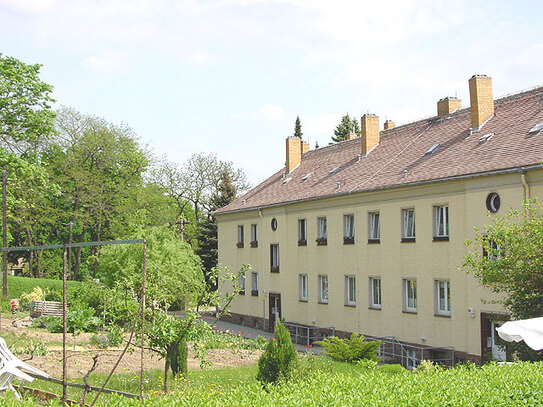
{"points": [[26, 118], [507, 257], [346, 126], [207, 230], [279, 358], [298, 128]]}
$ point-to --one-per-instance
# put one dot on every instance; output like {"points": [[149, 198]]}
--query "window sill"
{"points": [[323, 302], [442, 315], [441, 238], [376, 308], [254, 243], [299, 300], [410, 312], [322, 242], [408, 240], [254, 293], [302, 242], [374, 241], [274, 269], [350, 305], [239, 245], [348, 240]]}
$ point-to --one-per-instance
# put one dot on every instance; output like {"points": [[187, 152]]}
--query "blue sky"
{"points": [[229, 77]]}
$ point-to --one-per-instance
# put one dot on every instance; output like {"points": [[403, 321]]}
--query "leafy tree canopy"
{"points": [[26, 118], [298, 128], [345, 127], [507, 257]]}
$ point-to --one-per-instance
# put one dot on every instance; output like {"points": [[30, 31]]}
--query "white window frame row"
{"points": [[442, 293], [441, 225]]}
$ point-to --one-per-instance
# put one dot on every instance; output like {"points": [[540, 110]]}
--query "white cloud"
{"points": [[106, 61]]}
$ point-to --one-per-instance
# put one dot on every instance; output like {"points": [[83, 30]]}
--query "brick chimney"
{"points": [[369, 132], [294, 152], [448, 105], [351, 136], [305, 147], [481, 99], [389, 124]]}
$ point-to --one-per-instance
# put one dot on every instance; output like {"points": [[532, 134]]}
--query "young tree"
{"points": [[207, 230], [279, 357], [298, 128], [26, 118], [507, 257], [346, 126]]}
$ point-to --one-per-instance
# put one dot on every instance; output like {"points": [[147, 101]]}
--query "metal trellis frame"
{"points": [[64, 248]]}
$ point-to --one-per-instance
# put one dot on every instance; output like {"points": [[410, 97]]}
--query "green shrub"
{"points": [[392, 369], [351, 349], [369, 364], [279, 358], [81, 319], [426, 366], [53, 295], [52, 324], [37, 294], [179, 359]]}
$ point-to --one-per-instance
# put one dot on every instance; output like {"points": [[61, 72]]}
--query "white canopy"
{"points": [[527, 330]]}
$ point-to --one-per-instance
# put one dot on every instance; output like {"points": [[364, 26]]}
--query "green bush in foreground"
{"points": [[519, 384], [351, 349], [278, 359]]}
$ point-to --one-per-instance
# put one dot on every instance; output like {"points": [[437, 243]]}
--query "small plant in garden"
{"points": [[369, 364], [426, 366], [279, 358], [351, 349], [36, 294]]}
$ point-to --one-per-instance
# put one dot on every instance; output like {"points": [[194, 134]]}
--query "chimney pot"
{"points": [[448, 105], [389, 124], [481, 100], [369, 132], [305, 147], [294, 152]]}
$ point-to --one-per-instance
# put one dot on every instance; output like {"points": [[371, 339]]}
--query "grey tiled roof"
{"points": [[400, 158]]}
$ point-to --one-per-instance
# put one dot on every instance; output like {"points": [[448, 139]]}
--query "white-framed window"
{"points": [[441, 221], [411, 359], [443, 297], [254, 232], [410, 295], [242, 282], [322, 230], [323, 289], [303, 287], [492, 250], [240, 235], [348, 226], [408, 223], [374, 223], [274, 258], [350, 290], [302, 231], [254, 283], [375, 293]]}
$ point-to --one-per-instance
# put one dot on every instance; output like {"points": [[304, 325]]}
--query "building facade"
{"points": [[368, 235]]}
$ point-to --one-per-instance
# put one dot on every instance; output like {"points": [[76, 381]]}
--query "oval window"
{"points": [[493, 202], [274, 224]]}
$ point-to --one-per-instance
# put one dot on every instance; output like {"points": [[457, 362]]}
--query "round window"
{"points": [[274, 224], [493, 202]]}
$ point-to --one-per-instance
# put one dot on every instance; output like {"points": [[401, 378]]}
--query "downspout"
{"points": [[524, 184]]}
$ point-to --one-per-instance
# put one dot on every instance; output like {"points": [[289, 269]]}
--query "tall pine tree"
{"points": [[298, 128], [207, 227], [345, 127]]}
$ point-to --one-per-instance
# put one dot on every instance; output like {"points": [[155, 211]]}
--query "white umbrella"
{"points": [[527, 330]]}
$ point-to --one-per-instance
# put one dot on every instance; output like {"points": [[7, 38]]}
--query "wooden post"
{"points": [[5, 234], [144, 277], [64, 309]]}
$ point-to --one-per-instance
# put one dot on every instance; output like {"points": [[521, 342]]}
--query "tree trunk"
{"points": [[31, 254], [38, 259], [78, 250], [166, 375]]}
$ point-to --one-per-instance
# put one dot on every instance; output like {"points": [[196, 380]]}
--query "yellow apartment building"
{"points": [[368, 235]]}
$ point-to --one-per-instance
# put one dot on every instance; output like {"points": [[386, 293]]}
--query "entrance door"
{"points": [[275, 310], [498, 351]]}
